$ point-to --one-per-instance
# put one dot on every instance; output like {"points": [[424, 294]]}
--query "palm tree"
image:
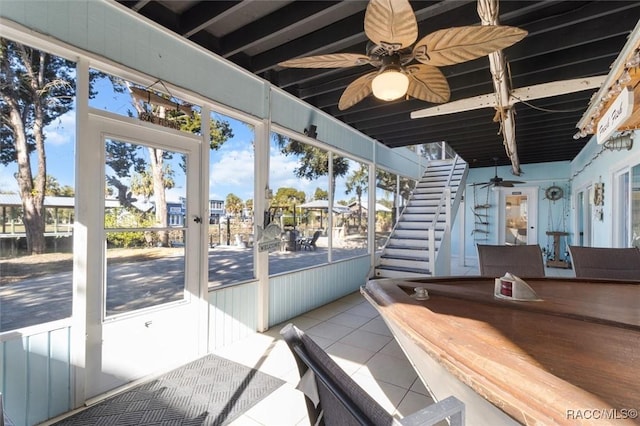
{"points": [[358, 183]]}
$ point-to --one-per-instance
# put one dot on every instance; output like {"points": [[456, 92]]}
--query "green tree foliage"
{"points": [[358, 182], [53, 188], [320, 194], [142, 183], [313, 161], [287, 198], [233, 204], [116, 218], [35, 89]]}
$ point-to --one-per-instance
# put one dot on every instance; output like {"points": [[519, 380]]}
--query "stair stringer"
{"points": [[406, 253]]}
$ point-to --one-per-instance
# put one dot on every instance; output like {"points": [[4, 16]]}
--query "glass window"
{"points": [[231, 193], [351, 182], [298, 179], [37, 190]]}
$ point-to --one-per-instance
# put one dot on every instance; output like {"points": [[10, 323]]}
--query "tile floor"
{"points": [[354, 334]]}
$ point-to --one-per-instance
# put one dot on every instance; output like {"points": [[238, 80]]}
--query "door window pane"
{"points": [[145, 207], [516, 219]]}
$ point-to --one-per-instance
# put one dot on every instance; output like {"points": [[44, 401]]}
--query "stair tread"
{"points": [[403, 269]]}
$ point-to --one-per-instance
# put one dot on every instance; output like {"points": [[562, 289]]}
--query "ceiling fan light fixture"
{"points": [[390, 84]]}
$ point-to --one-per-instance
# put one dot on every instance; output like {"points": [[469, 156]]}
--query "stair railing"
{"points": [[445, 201]]}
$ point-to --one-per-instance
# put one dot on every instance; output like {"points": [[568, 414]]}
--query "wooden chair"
{"points": [[602, 262], [310, 243], [522, 261], [334, 398]]}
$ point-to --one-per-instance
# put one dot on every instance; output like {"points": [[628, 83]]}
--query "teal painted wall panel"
{"points": [[593, 165], [232, 314], [108, 29], [399, 160], [36, 375], [295, 293], [541, 175], [297, 115]]}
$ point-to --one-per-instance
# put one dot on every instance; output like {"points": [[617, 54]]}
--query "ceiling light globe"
{"points": [[390, 85]]}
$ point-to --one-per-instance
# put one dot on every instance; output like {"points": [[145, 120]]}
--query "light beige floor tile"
{"points": [[366, 339], [393, 349], [285, 406], [411, 403], [340, 305], [323, 342], [330, 331], [349, 320], [251, 351], [364, 309], [377, 325], [245, 420], [391, 370], [386, 394], [353, 298], [419, 387], [323, 313], [349, 358], [304, 322], [279, 360]]}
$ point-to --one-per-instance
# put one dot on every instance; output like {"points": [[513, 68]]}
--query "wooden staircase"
{"points": [[419, 243]]}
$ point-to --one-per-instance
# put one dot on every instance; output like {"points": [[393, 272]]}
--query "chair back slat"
{"points": [[605, 262], [523, 261]]}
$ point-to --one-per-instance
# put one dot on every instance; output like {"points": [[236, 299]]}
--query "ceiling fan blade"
{"points": [[391, 24], [460, 44], [427, 83], [356, 91], [332, 60]]}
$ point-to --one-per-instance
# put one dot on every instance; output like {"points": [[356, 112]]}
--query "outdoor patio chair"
{"points": [[603, 262], [522, 261], [334, 398], [310, 243]]}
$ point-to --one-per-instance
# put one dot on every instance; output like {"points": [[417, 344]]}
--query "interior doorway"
{"points": [[518, 216]]}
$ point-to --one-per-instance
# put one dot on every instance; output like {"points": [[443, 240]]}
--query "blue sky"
{"points": [[230, 171]]}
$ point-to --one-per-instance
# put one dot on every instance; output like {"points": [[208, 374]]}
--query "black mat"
{"points": [[208, 391]]}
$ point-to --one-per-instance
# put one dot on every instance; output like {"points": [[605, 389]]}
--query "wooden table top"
{"points": [[578, 348]]}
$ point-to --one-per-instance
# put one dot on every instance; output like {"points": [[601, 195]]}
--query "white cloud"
{"points": [[62, 130], [232, 173]]}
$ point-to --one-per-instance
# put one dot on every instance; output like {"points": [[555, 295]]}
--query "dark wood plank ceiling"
{"points": [[566, 40]]}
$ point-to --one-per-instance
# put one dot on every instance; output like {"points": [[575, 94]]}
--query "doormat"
{"points": [[208, 391]]}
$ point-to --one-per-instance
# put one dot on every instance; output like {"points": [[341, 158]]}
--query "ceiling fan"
{"points": [[392, 29], [496, 180]]}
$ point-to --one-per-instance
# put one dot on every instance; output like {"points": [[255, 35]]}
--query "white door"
{"points": [[150, 287], [518, 216]]}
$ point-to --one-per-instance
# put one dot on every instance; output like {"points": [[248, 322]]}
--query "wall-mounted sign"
{"points": [[619, 111]]}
